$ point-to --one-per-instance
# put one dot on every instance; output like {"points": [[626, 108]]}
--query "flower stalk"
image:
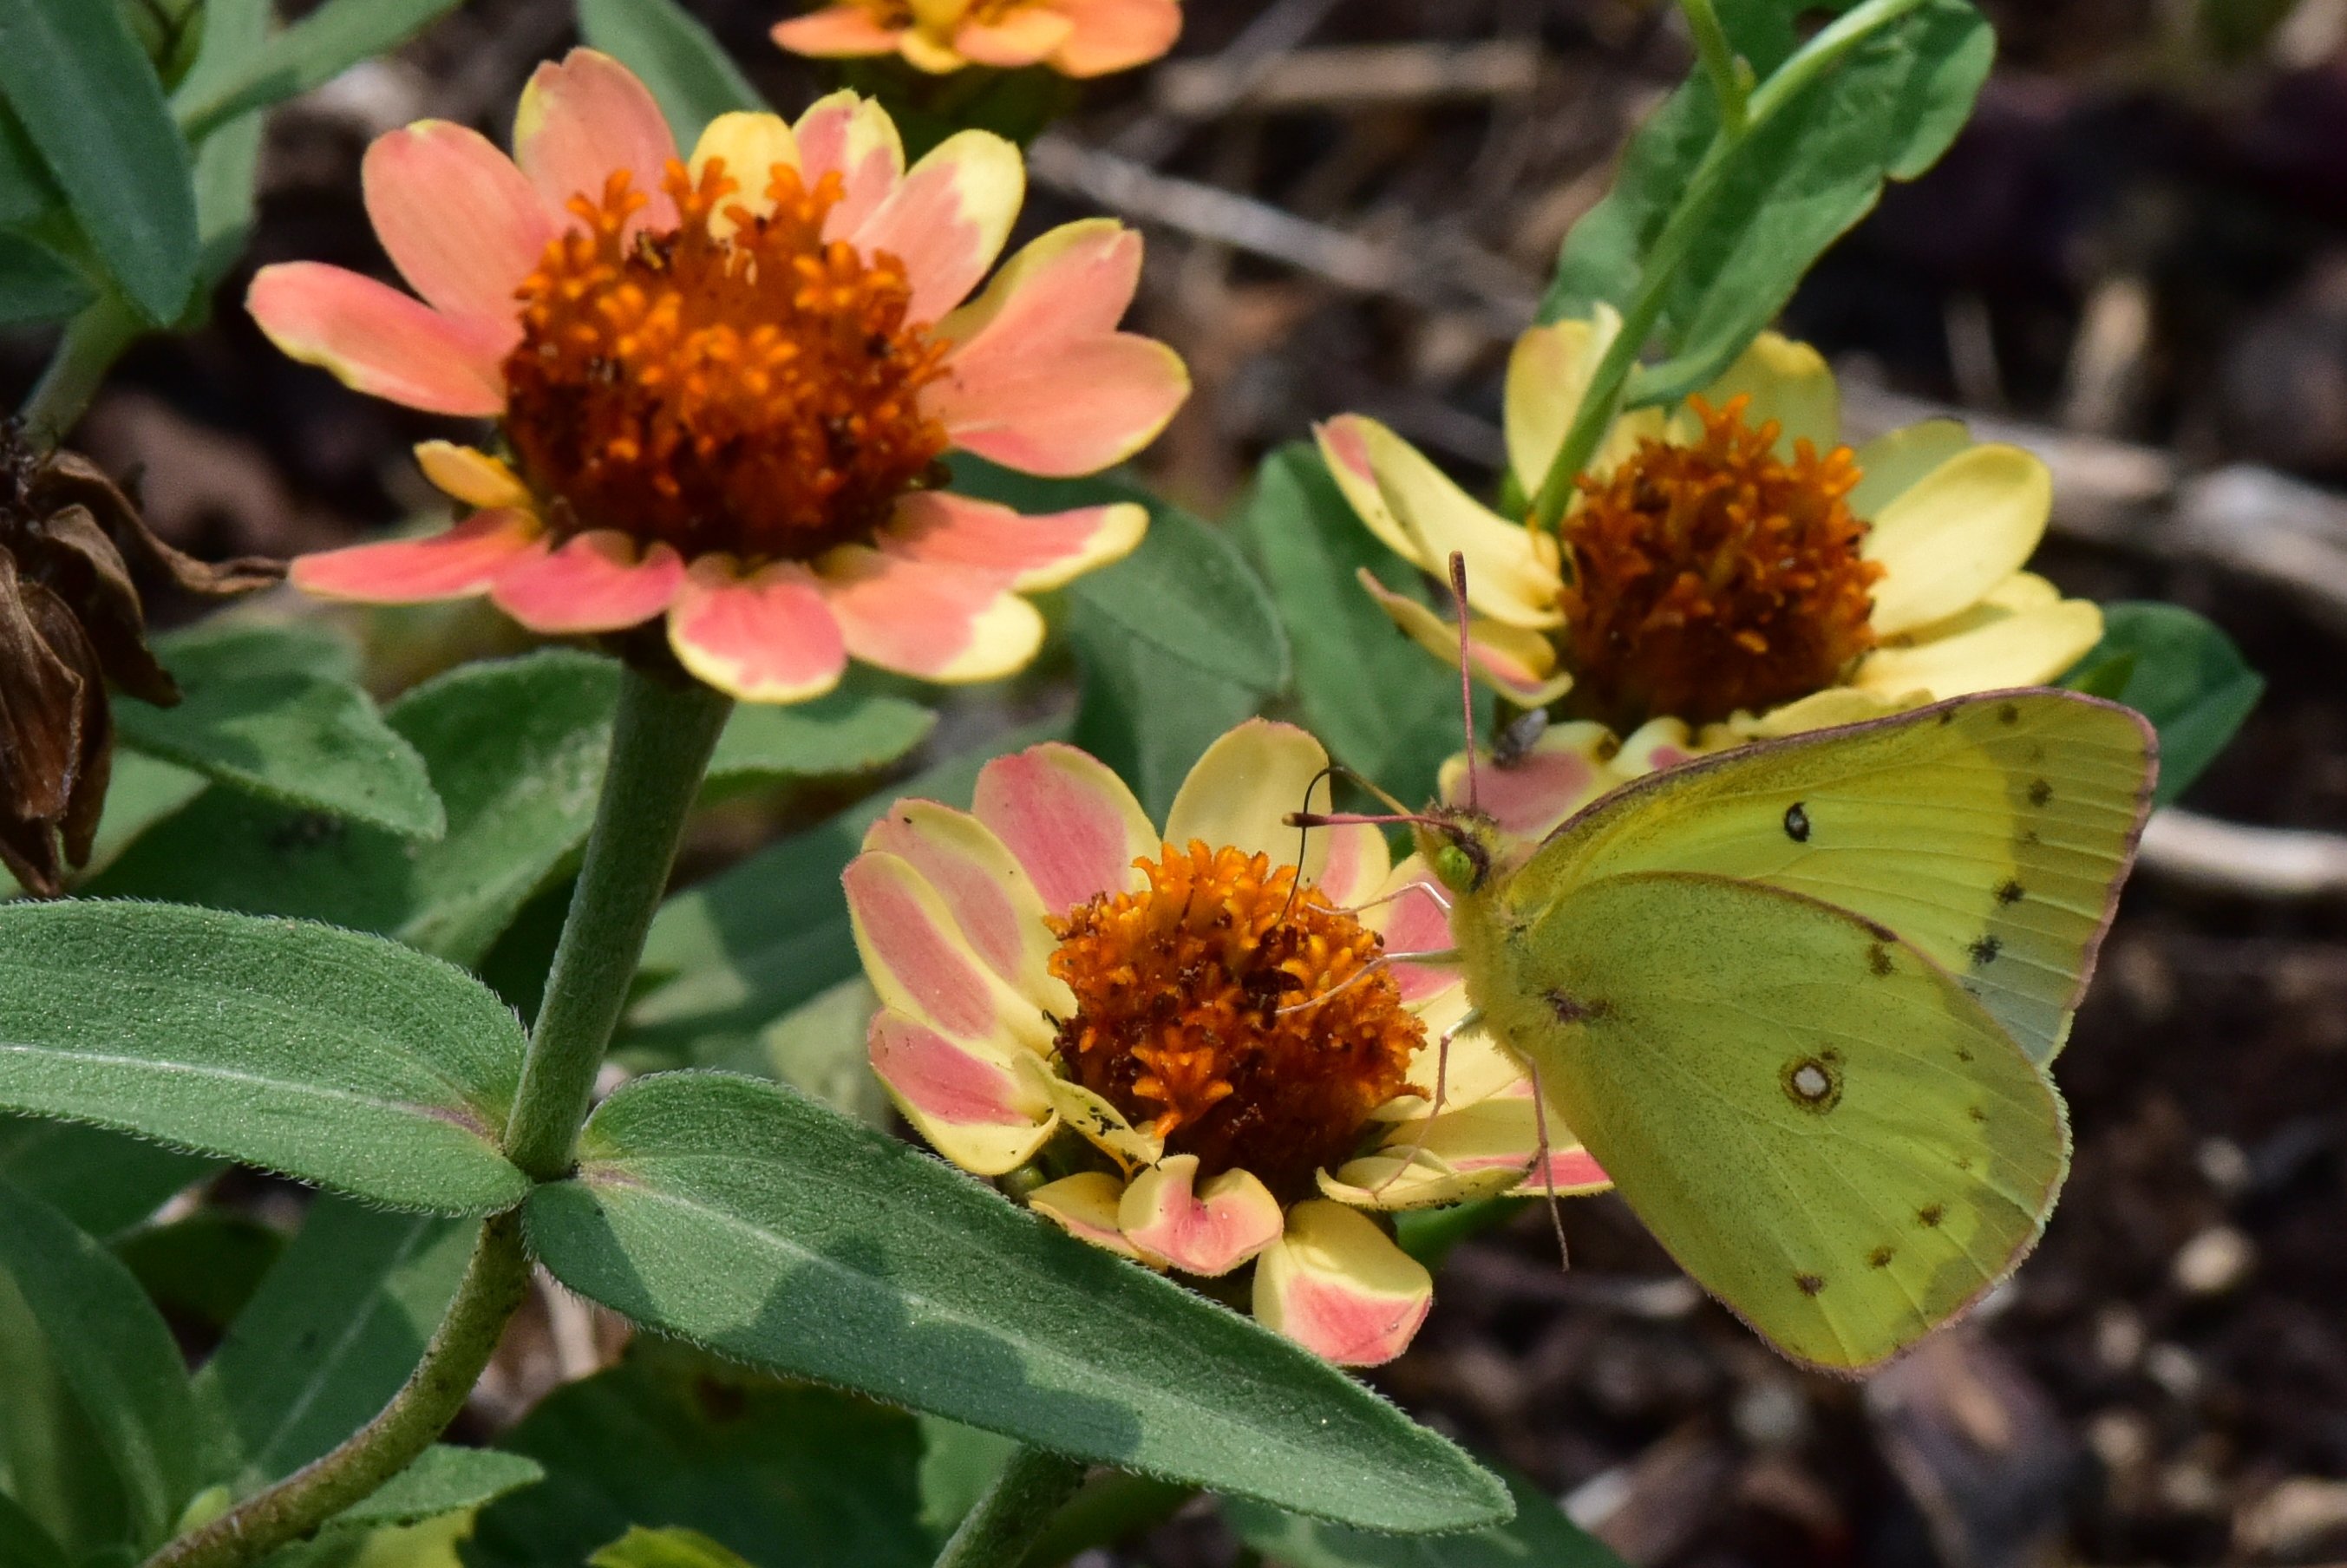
{"points": [[1012, 1515]]}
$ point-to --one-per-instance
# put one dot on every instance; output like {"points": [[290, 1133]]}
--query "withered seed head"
{"points": [[70, 621]]}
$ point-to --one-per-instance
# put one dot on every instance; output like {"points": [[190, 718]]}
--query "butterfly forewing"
{"points": [[1821, 1125], [1990, 832]]}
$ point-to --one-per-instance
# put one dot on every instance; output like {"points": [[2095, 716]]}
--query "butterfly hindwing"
{"points": [[1990, 832], [1828, 1133]]}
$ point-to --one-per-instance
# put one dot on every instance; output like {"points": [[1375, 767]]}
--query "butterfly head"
{"points": [[1461, 844]]}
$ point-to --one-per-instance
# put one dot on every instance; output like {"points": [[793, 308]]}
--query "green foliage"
{"points": [[788, 1477], [36, 284], [2179, 671], [328, 41], [848, 731], [334, 1330], [266, 710], [1797, 183], [1539, 1536], [1382, 706], [1177, 642], [444, 1480], [642, 1548], [335, 1058], [693, 79], [740, 1215], [104, 1182], [84, 1356], [203, 1268], [90, 100]]}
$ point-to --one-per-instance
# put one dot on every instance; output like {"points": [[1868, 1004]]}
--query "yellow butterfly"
{"points": [[1798, 998]]}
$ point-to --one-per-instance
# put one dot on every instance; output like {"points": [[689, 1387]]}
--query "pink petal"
{"points": [[1414, 922], [940, 1078], [1560, 774], [854, 137], [916, 958], [948, 221], [1071, 821], [594, 582], [767, 637], [1041, 379], [989, 894], [460, 221], [461, 562], [583, 119], [1338, 1284], [1570, 1173], [1021, 37], [1356, 864], [1029, 553], [378, 340], [1207, 1232], [836, 32], [937, 622], [1116, 34]]}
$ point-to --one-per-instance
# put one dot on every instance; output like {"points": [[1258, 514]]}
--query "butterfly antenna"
{"points": [[1548, 1171], [1304, 826], [1466, 674]]}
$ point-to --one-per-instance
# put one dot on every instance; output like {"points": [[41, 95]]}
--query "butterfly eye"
{"points": [[1456, 867]]}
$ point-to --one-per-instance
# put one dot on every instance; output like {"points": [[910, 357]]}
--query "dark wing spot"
{"points": [[2010, 891], [1930, 1215], [2029, 835], [1964, 1163], [2040, 793], [1878, 957], [1813, 1084], [1947, 715], [1570, 1009], [1810, 1283], [1880, 1257], [2007, 713], [1977, 1114], [1985, 950], [1964, 1054], [1797, 824]]}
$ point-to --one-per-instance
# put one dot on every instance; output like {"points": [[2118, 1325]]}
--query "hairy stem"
{"points": [[1603, 400], [661, 745], [1014, 1511], [493, 1287]]}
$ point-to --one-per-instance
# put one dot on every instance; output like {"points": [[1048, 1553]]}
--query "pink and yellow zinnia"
{"points": [[724, 385], [1191, 1049], [1074, 37]]}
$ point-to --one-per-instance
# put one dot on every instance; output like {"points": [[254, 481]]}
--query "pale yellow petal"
{"points": [[1817, 710], [1339, 1285], [1512, 574], [1084, 1206], [1788, 382], [750, 145], [1956, 533], [1102, 1124], [1515, 660], [1897, 458], [472, 475], [1548, 375], [2026, 648], [1240, 793]]}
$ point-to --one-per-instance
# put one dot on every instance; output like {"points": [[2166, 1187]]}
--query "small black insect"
{"points": [[1516, 742], [1797, 824]]}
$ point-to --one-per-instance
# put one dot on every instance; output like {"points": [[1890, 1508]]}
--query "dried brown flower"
{"points": [[71, 621]]}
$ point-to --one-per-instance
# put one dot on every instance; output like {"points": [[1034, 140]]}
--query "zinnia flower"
{"points": [[1728, 570], [1189, 1040], [1074, 37], [724, 386]]}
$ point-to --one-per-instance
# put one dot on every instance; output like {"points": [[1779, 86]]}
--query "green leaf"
{"points": [[1380, 703], [958, 1464], [515, 750], [331, 39], [1540, 1536], [228, 157], [114, 1353], [443, 1480], [36, 284], [788, 1477], [1178, 641], [90, 100], [1886, 111], [742, 1216], [819, 1049], [729, 955], [846, 732], [104, 1182], [691, 75], [334, 1329], [642, 1548], [23, 1543], [2181, 672], [202, 1268], [261, 716], [330, 1057]]}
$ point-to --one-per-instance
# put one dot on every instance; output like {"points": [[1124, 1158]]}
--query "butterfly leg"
{"points": [[1548, 1170], [1441, 1087], [1431, 956]]}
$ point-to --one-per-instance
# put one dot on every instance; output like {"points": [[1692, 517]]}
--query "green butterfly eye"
{"points": [[1456, 867]]}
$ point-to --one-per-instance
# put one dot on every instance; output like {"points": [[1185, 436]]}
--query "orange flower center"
{"points": [[753, 393], [1715, 577], [1187, 1016]]}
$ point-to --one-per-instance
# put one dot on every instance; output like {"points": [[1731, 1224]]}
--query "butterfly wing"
{"points": [[1823, 1126], [1990, 832]]}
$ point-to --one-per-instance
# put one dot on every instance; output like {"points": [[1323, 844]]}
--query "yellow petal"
{"points": [[1240, 791], [1819, 711], [1084, 1204], [1514, 661], [1896, 459], [1345, 447], [1338, 1284], [2026, 648], [1548, 375], [1415, 510], [471, 476], [1788, 382], [1956, 533], [1102, 1124], [751, 145]]}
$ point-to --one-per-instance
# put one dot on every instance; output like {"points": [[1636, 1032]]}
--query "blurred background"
{"points": [[2133, 261]]}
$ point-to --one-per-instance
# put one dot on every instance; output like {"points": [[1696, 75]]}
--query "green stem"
{"points": [[93, 341], [1603, 400], [661, 745], [1023, 1500], [1711, 46], [494, 1285]]}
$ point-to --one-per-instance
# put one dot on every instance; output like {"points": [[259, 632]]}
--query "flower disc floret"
{"points": [[1229, 1013], [1715, 576], [744, 386]]}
